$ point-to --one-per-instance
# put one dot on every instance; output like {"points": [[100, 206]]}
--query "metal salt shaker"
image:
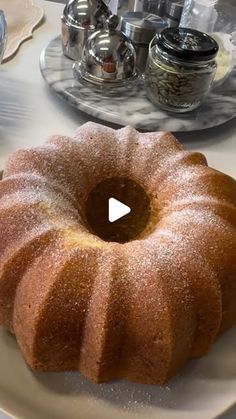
{"points": [[108, 59], [173, 12], [140, 28], [156, 7], [79, 20]]}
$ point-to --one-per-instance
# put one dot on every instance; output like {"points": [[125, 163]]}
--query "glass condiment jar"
{"points": [[181, 68], [217, 18]]}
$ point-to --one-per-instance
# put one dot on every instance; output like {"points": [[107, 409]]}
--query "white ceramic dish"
{"points": [[205, 389], [22, 17]]}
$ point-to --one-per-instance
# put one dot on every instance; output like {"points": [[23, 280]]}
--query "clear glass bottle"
{"points": [[180, 69], [218, 19]]}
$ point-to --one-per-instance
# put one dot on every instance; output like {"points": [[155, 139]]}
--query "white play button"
{"points": [[117, 210]]}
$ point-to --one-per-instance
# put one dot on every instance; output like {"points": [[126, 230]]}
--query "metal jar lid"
{"points": [[141, 27], [187, 44]]}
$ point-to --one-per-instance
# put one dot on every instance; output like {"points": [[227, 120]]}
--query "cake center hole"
{"points": [[129, 226]]}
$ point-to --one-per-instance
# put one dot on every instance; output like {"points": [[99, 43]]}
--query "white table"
{"points": [[33, 112]]}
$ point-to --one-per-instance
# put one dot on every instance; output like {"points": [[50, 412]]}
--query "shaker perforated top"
{"points": [[141, 27]]}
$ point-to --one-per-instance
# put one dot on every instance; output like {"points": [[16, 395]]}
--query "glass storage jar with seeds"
{"points": [[181, 68]]}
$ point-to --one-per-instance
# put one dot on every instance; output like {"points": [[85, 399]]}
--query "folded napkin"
{"points": [[22, 17]]}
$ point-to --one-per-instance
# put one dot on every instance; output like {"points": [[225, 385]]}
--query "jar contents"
{"points": [[180, 69]]}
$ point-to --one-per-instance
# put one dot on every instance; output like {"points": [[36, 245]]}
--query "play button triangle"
{"points": [[117, 210]]}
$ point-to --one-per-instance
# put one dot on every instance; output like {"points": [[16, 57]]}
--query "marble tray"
{"points": [[132, 107]]}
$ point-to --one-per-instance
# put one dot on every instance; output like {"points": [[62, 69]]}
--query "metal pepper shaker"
{"points": [[157, 7], [108, 59], [173, 12], [140, 28], [79, 20]]}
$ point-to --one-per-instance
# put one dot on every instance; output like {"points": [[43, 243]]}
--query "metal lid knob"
{"points": [[141, 27], [112, 22]]}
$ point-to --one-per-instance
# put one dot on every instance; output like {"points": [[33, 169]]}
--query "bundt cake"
{"points": [[135, 299]]}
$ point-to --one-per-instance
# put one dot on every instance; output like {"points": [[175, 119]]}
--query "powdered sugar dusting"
{"points": [[150, 287]]}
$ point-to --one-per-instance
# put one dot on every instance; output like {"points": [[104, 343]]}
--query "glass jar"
{"points": [[181, 68], [218, 19]]}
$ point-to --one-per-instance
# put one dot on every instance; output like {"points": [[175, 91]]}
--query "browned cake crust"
{"points": [[139, 309]]}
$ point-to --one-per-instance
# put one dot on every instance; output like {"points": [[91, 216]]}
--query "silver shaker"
{"points": [[108, 59], [140, 28], [79, 20], [173, 12], [157, 7]]}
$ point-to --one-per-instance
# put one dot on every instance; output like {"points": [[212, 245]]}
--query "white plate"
{"points": [[205, 389], [22, 17]]}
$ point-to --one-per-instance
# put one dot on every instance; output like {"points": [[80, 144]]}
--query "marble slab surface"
{"points": [[132, 106]]}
